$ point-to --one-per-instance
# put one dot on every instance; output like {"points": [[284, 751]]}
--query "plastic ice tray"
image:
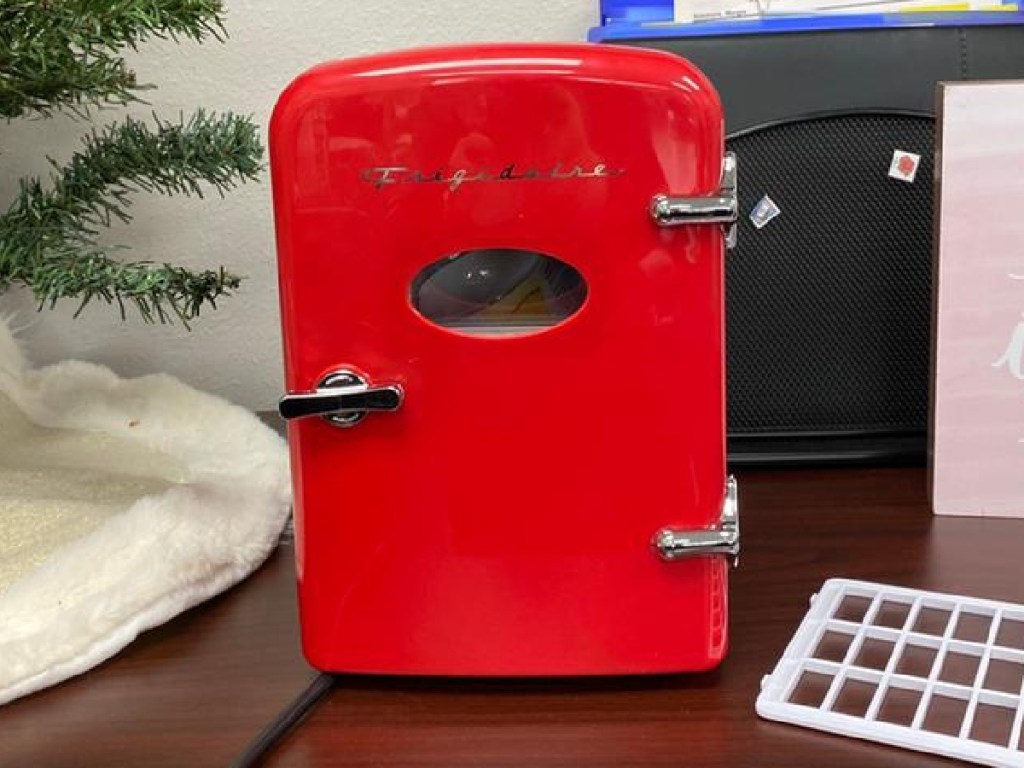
{"points": [[921, 670]]}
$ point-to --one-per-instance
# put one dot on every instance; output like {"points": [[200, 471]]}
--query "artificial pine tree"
{"points": [[64, 55]]}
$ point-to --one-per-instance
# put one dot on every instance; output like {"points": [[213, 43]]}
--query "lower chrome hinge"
{"points": [[723, 539]]}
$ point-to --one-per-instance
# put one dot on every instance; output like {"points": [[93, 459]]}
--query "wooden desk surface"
{"points": [[194, 692]]}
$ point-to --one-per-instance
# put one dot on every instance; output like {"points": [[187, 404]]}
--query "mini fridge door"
{"points": [[504, 361]]}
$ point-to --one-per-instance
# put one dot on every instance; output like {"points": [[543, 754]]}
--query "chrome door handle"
{"points": [[724, 539], [343, 398], [721, 208]]}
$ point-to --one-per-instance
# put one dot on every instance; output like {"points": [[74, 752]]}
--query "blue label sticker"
{"points": [[764, 211]]}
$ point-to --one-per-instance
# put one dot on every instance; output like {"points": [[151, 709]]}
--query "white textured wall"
{"points": [[235, 351]]}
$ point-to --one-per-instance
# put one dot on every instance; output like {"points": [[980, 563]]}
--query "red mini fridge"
{"points": [[501, 275]]}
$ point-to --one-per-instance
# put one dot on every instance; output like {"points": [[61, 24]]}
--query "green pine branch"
{"points": [[47, 236], [63, 80], [156, 290], [63, 54], [110, 24]]}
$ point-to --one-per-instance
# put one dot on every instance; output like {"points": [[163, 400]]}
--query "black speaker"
{"points": [[828, 304]]}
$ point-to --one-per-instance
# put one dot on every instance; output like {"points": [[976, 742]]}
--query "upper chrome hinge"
{"points": [[723, 539], [722, 208]]}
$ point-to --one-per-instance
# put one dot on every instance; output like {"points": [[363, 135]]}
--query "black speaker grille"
{"points": [[828, 305]]}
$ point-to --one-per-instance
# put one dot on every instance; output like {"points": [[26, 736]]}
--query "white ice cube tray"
{"points": [[921, 670]]}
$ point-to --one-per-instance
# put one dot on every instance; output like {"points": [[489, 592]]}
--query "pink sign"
{"points": [[978, 404]]}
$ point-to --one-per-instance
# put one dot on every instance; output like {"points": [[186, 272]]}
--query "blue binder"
{"points": [[624, 20]]}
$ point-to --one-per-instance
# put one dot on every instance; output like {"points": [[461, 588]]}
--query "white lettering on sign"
{"points": [[1013, 357]]}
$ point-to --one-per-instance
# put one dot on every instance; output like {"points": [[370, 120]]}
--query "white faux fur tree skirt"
{"points": [[122, 504]]}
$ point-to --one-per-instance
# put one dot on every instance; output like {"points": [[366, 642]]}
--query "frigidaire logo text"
{"points": [[388, 175]]}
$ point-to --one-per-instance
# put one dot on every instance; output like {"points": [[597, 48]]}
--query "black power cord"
{"points": [[289, 717]]}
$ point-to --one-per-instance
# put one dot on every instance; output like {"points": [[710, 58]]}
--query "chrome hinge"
{"points": [[724, 539], [722, 208]]}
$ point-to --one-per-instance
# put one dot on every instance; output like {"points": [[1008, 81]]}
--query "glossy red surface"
{"points": [[500, 522]]}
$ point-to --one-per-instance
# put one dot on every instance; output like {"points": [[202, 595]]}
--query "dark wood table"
{"points": [[195, 691]]}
